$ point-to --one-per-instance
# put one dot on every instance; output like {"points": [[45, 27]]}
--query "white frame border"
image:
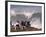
{"points": [[27, 32]]}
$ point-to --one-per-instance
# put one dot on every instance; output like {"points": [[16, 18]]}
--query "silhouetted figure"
{"points": [[22, 23], [28, 23], [17, 28], [17, 24], [25, 23]]}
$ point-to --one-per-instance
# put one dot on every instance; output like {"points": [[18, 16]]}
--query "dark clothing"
{"points": [[23, 23], [28, 23]]}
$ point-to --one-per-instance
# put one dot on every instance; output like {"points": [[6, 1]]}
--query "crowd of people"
{"points": [[21, 24]]}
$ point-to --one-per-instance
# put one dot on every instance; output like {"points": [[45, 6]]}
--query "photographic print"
{"points": [[25, 18]]}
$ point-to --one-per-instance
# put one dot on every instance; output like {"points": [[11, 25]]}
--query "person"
{"points": [[28, 23], [23, 23], [16, 24]]}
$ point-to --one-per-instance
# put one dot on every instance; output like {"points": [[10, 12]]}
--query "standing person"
{"points": [[16, 24], [23, 23], [28, 24]]}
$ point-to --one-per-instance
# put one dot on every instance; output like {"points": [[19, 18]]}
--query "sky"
{"points": [[26, 10], [22, 8]]}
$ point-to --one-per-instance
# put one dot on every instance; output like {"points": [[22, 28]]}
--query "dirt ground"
{"points": [[25, 29]]}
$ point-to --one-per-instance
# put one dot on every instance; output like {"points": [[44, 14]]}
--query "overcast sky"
{"points": [[22, 8]]}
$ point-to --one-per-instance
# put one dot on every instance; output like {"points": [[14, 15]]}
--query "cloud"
{"points": [[22, 8], [36, 24], [12, 13], [28, 15]]}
